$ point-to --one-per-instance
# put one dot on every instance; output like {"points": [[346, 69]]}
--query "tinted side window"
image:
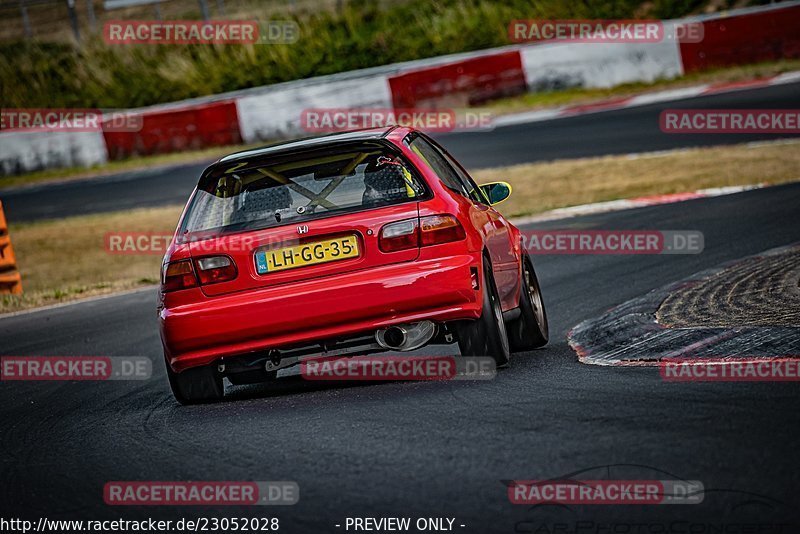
{"points": [[437, 162], [473, 191]]}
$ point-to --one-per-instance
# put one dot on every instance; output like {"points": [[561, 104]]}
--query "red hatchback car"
{"points": [[345, 244]]}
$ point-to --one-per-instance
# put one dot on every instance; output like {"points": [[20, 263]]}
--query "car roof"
{"points": [[310, 142]]}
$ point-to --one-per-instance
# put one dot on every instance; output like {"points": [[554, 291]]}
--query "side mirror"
{"points": [[496, 192]]}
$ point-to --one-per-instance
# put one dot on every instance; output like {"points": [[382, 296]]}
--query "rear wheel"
{"points": [[196, 385], [529, 330], [486, 336]]}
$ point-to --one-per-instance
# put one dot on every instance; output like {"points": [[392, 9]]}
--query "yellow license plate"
{"points": [[279, 259]]}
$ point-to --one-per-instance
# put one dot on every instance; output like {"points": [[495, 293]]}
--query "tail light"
{"points": [[178, 275], [215, 269], [413, 233], [437, 229], [400, 235], [181, 274]]}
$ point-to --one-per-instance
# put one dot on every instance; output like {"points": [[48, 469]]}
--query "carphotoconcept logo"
{"points": [[613, 241], [558, 504]]}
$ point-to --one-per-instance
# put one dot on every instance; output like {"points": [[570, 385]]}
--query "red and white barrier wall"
{"points": [[22, 152], [174, 130], [745, 36], [550, 66], [461, 83], [275, 112], [738, 37]]}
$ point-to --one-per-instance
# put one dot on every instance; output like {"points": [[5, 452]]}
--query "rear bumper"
{"points": [[314, 310]]}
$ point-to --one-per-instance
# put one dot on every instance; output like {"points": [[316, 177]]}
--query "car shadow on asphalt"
{"points": [[296, 385]]}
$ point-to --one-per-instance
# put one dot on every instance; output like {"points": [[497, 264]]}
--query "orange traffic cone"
{"points": [[10, 279]]}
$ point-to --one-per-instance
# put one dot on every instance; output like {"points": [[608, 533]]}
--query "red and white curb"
{"points": [[642, 100], [629, 334]]}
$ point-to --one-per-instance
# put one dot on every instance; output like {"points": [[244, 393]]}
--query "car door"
{"points": [[497, 230]]}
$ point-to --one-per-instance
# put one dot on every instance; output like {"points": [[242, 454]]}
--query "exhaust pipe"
{"points": [[406, 337]]}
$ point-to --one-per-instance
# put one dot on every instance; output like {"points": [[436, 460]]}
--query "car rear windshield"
{"points": [[274, 190]]}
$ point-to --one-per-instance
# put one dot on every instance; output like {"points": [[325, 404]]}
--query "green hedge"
{"points": [[362, 34]]}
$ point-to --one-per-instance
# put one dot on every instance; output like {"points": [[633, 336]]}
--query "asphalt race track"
{"points": [[432, 449], [421, 449], [612, 132]]}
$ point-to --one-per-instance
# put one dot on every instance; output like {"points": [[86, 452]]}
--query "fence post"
{"points": [[73, 18], [90, 15], [204, 10], [26, 22]]}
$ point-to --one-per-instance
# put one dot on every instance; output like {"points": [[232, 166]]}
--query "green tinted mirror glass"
{"points": [[496, 192]]}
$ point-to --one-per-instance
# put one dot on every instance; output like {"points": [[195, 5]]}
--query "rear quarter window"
{"points": [[437, 163]]}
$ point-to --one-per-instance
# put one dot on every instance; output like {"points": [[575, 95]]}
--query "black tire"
{"points": [[529, 330], [196, 385], [486, 336]]}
